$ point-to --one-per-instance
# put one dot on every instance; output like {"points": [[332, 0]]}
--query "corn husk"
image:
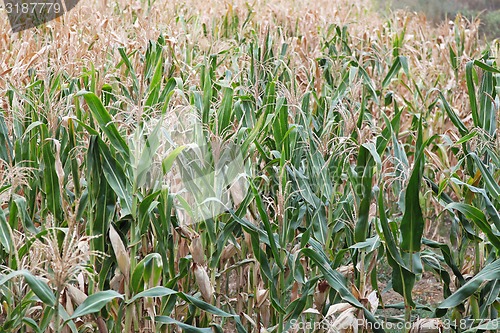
{"points": [[373, 301], [427, 325], [203, 282], [346, 321], [196, 249], [76, 295], [320, 295], [336, 308], [261, 297], [121, 253], [229, 251]]}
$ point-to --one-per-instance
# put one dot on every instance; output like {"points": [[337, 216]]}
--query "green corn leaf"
{"points": [[5, 232], [65, 317], [20, 203], [478, 218], [403, 281], [487, 94], [334, 278], [213, 310], [32, 324], [116, 177], [153, 292], [365, 163], [453, 58], [207, 93], [393, 71], [102, 199], [471, 91], [167, 92], [488, 273], [267, 226], [72, 144], [448, 257], [154, 85], [486, 67], [46, 319], [225, 111], [95, 303], [296, 308], [466, 138], [490, 182], [146, 207], [131, 70], [368, 81], [6, 147], [50, 180], [205, 306], [168, 161], [490, 208], [337, 282], [387, 235], [40, 288], [341, 90], [412, 223], [185, 327], [453, 116], [106, 123], [151, 263], [142, 164]]}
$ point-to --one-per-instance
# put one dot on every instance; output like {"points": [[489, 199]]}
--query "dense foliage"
{"points": [[487, 11], [249, 168]]}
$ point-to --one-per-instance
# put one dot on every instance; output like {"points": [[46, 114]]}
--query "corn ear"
{"points": [[203, 282], [196, 249], [121, 253]]}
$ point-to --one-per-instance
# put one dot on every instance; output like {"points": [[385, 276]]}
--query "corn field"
{"points": [[263, 166]]}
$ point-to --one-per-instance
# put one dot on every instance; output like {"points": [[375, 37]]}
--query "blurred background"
{"points": [[488, 11]]}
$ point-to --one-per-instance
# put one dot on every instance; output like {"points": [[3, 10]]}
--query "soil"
{"points": [[428, 291]]}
